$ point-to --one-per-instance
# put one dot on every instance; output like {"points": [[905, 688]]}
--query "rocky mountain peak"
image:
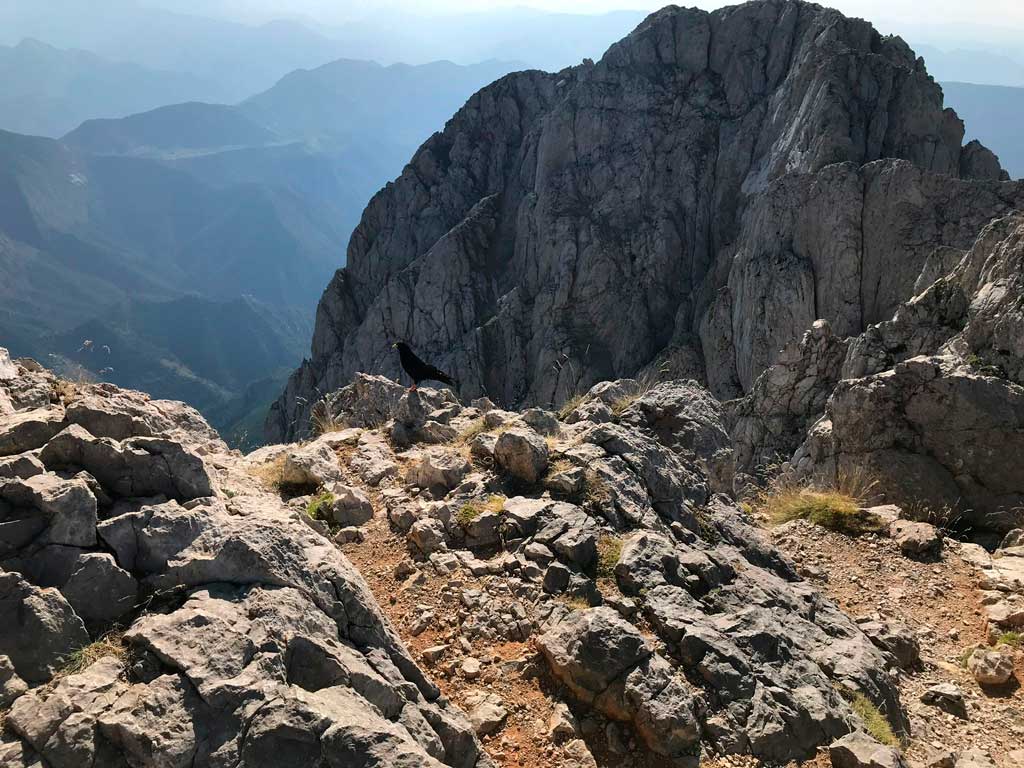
{"points": [[650, 211]]}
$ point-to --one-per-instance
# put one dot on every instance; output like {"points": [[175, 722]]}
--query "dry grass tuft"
{"points": [[609, 550], [558, 466], [322, 420], [836, 508], [475, 427], [647, 381], [271, 474], [571, 404], [596, 492], [111, 644], [574, 602]]}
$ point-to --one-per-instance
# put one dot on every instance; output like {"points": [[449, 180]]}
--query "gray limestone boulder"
{"points": [[608, 664], [136, 467], [858, 750], [522, 453], [99, 590], [38, 628]]}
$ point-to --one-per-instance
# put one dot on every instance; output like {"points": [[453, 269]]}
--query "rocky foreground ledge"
{"points": [[165, 601], [248, 638]]}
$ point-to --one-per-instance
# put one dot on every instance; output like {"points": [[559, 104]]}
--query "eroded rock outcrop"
{"points": [[250, 639], [600, 530], [691, 203]]}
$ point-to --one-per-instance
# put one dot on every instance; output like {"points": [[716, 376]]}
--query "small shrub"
{"points": [[1014, 639], [468, 513], [619, 406], [65, 391], [965, 655], [609, 550], [874, 720], [110, 644], [978, 363], [705, 527], [318, 507]]}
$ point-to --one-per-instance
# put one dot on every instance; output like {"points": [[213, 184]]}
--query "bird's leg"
{"points": [[413, 387]]}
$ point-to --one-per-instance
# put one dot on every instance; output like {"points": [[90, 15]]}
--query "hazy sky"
{"points": [[996, 12]]}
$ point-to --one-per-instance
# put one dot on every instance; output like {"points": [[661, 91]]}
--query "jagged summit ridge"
{"points": [[559, 215]]}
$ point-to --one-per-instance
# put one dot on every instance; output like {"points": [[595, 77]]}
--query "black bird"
{"points": [[418, 370]]}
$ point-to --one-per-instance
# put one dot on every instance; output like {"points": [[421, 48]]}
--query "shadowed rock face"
{"points": [[572, 227]]}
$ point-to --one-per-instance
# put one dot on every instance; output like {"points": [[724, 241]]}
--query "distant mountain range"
{"points": [[193, 240], [46, 91], [995, 115]]}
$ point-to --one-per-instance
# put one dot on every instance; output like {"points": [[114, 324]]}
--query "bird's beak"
{"points": [[395, 345]]}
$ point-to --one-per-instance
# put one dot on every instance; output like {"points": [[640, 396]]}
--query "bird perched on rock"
{"points": [[418, 370]]}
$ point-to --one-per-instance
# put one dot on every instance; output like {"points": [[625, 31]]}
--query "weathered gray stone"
{"points": [[38, 629], [351, 506], [436, 468], [140, 466], [990, 667], [29, 430], [67, 506], [858, 750], [522, 453], [916, 539], [947, 697], [487, 712], [428, 536], [99, 590], [11, 686], [606, 663], [311, 466], [896, 639]]}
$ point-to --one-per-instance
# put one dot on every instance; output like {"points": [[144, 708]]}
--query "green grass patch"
{"points": [[874, 721], [1014, 639], [319, 506], [473, 509]]}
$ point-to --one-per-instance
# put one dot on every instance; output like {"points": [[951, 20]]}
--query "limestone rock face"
{"points": [[932, 432], [691, 203], [926, 403]]}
